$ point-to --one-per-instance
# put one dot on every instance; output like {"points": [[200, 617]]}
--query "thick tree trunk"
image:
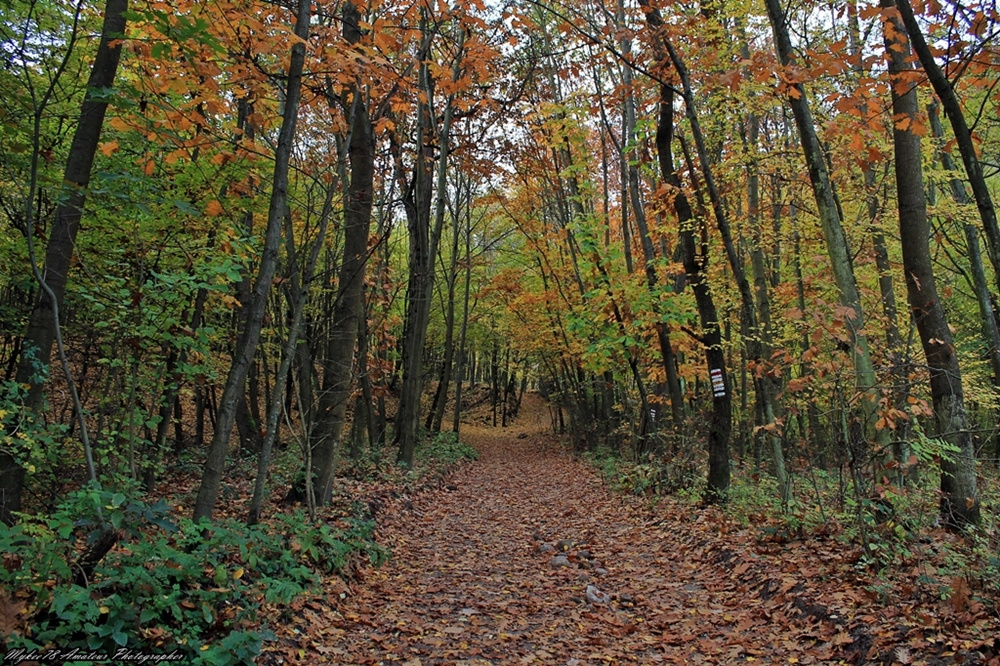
{"points": [[338, 369], [38, 341], [963, 136], [959, 497], [246, 347]]}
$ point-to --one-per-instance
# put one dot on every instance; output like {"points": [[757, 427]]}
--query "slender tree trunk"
{"points": [[886, 288], [833, 231], [249, 432], [170, 399], [765, 384], [423, 247], [748, 314], [959, 497], [694, 249], [630, 185], [364, 378], [991, 334], [462, 342], [298, 294], [246, 347], [436, 414]]}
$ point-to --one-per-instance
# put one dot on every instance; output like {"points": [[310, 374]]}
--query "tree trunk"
{"points": [[886, 288], [833, 231], [763, 348], [959, 498], [298, 294], [695, 258], [423, 246], [748, 313], [630, 175], [339, 364], [963, 136], [436, 414], [991, 333], [463, 332], [243, 355], [40, 336]]}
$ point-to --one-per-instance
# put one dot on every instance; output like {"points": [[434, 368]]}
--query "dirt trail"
{"points": [[469, 585]]}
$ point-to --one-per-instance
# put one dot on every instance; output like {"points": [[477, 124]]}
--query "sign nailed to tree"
{"points": [[718, 384]]}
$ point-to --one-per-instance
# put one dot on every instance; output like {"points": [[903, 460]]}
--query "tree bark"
{"points": [[338, 372], [436, 414], [959, 497], [694, 250], [833, 230], [963, 135], [36, 350], [991, 333], [748, 313], [417, 204], [423, 247], [246, 347], [630, 184], [463, 332]]}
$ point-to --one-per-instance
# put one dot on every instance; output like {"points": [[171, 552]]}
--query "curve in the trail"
{"points": [[473, 579]]}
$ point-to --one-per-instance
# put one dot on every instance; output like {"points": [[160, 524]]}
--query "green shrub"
{"points": [[193, 588], [652, 477], [445, 447], [37, 445]]}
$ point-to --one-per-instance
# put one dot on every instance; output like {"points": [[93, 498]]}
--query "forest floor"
{"points": [[525, 557]]}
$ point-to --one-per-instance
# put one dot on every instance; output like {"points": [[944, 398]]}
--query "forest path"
{"points": [[468, 583]]}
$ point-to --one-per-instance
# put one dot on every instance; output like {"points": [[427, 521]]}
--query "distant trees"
{"points": [[498, 196]]}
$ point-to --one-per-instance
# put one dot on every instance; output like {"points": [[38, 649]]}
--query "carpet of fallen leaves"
{"points": [[524, 557]]}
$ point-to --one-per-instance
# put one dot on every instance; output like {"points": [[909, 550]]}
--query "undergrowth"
{"points": [[201, 592], [171, 586], [890, 533], [435, 456], [445, 448]]}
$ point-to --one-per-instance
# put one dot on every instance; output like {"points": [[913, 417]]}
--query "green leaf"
{"points": [[206, 613]]}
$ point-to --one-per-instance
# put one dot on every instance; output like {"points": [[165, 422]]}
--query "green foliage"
{"points": [[606, 461], [928, 449], [893, 530], [653, 477], [445, 448], [171, 585], [327, 548], [35, 444], [754, 494]]}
